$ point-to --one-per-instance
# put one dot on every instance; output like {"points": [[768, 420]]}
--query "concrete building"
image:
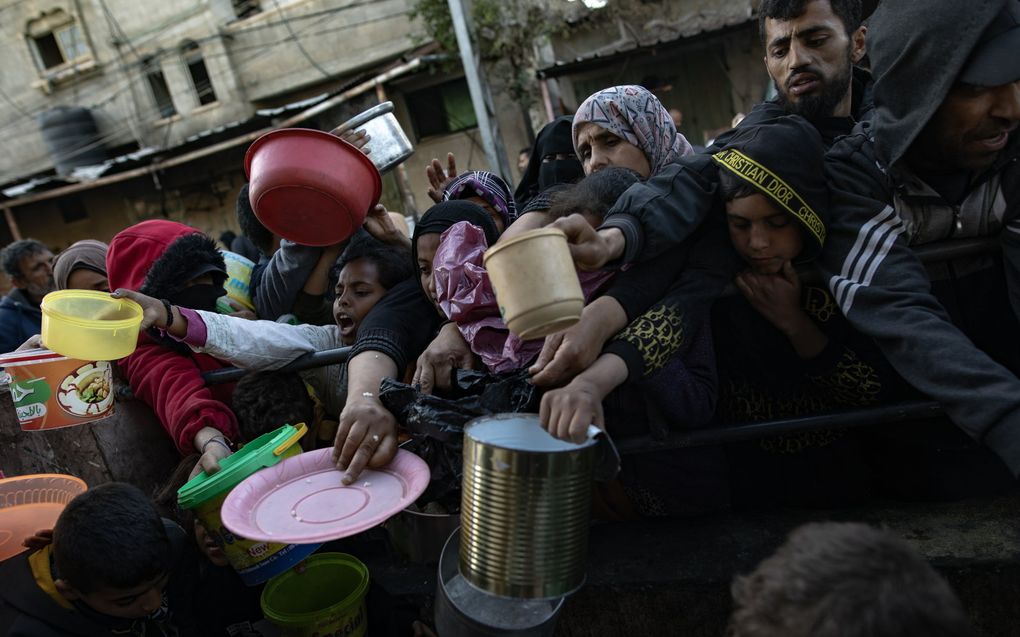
{"points": [[702, 57], [115, 111]]}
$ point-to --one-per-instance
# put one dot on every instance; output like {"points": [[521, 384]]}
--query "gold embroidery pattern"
{"points": [[819, 304], [852, 383], [657, 334]]}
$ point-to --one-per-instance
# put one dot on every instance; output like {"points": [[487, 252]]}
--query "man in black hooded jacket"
{"points": [[938, 160]]}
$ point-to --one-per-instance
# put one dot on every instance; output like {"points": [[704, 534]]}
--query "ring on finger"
{"points": [[375, 438]]}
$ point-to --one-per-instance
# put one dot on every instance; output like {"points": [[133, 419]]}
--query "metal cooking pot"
{"points": [[419, 536], [388, 143]]}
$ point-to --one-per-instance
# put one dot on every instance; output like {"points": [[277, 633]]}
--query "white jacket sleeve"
{"points": [[263, 345]]}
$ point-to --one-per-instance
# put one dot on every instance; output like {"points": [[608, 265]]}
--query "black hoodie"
{"points": [[879, 208]]}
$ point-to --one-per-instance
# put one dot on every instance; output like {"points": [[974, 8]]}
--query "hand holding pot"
{"points": [[590, 249], [358, 139]]}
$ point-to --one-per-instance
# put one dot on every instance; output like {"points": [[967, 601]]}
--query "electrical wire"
{"points": [[262, 48], [297, 42]]}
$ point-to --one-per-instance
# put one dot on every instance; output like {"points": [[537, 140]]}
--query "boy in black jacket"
{"points": [[114, 568]]}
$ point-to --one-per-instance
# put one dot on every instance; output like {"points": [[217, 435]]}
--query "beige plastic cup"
{"points": [[535, 283]]}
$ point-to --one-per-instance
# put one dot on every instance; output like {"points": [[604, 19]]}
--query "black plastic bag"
{"points": [[436, 424]]}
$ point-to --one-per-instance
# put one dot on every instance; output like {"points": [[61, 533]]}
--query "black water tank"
{"points": [[72, 138]]}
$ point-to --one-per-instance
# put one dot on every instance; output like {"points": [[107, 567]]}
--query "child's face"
{"points": [[493, 213], [207, 545], [427, 246], [763, 236], [357, 291], [136, 602]]}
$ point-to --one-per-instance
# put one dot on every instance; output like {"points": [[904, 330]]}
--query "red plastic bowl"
{"points": [[309, 186]]}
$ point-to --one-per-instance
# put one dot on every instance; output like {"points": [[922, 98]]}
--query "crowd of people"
{"points": [[773, 275]]}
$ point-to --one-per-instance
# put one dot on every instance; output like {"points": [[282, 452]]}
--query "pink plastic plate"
{"points": [[302, 501]]}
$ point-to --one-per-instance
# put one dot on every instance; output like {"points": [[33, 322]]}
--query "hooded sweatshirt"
{"points": [[148, 257], [880, 208]]}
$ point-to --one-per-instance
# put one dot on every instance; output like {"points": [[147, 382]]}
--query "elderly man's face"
{"points": [[36, 273], [810, 58], [969, 130]]}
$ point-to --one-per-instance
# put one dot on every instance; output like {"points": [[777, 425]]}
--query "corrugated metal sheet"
{"points": [[659, 33]]}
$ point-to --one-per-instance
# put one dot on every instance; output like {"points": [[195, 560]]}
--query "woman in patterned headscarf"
{"points": [[626, 126]]}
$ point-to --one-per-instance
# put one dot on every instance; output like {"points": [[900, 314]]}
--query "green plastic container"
{"points": [[324, 597], [255, 562]]}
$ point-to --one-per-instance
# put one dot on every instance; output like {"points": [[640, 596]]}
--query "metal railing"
{"points": [[306, 361]]}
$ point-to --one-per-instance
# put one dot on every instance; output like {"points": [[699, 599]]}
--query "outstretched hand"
{"points": [[358, 139], [153, 310], [438, 180], [447, 352], [566, 413], [379, 223], [366, 437], [33, 342], [590, 249]]}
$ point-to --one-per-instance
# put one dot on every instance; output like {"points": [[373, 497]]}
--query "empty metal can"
{"points": [[525, 508], [388, 143]]}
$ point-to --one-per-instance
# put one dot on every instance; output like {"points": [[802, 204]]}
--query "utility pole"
{"points": [[481, 100]]}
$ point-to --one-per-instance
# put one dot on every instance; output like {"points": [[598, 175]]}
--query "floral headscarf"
{"points": [[634, 114]]}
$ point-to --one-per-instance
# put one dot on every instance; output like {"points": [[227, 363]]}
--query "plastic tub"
{"points": [[238, 283], [51, 391], [535, 282], [32, 503], [323, 596], [90, 325], [309, 186], [255, 562]]}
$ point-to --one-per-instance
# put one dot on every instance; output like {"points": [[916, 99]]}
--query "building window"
{"points": [[72, 209], [160, 91], [442, 109], [245, 8], [192, 55], [56, 40]]}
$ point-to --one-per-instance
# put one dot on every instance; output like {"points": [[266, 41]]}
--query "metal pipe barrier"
{"points": [[722, 434], [301, 363]]}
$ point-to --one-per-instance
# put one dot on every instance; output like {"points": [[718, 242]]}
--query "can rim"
{"points": [[524, 236], [567, 447]]}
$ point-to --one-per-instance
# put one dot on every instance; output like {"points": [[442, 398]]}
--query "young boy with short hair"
{"points": [[845, 579], [114, 568]]}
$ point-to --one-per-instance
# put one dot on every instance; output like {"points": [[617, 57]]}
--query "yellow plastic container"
{"points": [[90, 325]]}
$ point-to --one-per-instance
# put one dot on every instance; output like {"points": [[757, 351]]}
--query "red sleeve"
{"points": [[171, 383]]}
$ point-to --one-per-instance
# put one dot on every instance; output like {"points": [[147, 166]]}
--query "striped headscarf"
{"points": [[634, 114], [489, 187]]}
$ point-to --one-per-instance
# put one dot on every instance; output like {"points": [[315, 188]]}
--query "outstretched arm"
{"points": [[884, 291]]}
